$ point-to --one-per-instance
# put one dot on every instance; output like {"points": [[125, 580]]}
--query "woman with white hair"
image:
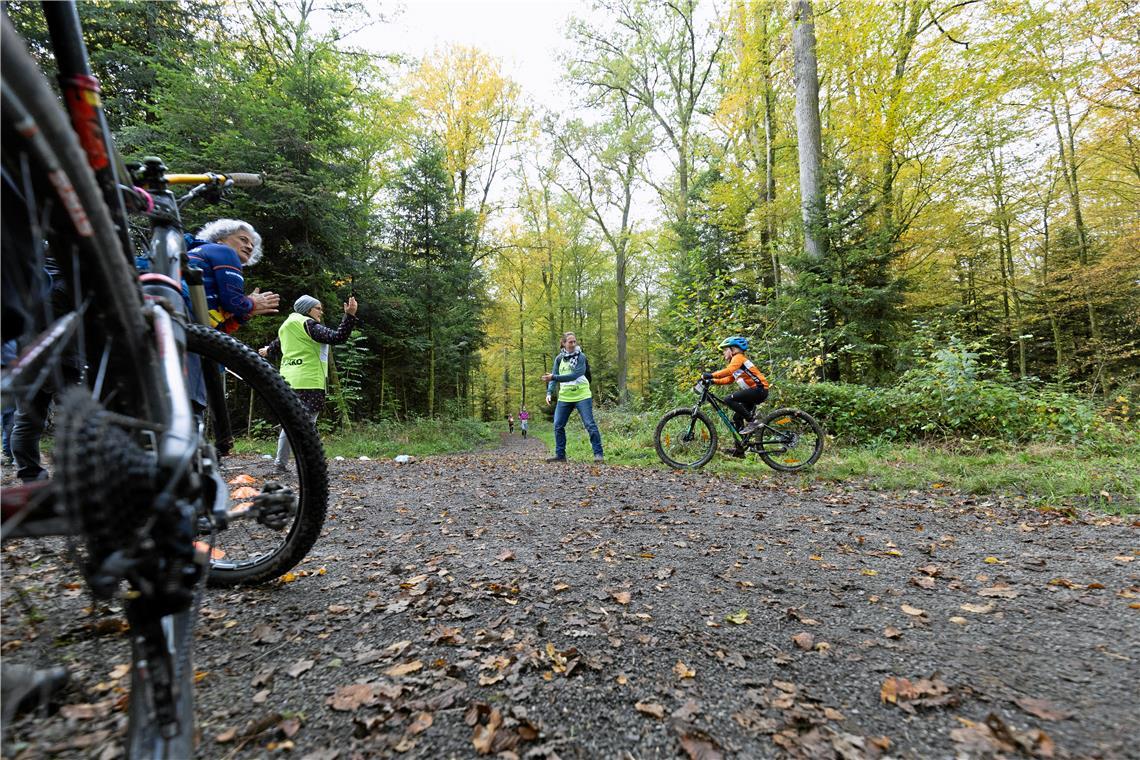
{"points": [[221, 250]]}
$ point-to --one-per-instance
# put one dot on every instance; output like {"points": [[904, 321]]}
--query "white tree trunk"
{"points": [[807, 128]]}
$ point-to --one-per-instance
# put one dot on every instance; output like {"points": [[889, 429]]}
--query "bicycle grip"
{"points": [[245, 179]]}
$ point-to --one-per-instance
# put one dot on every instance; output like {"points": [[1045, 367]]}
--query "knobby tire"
{"points": [[701, 421], [272, 554], [61, 201], [809, 434]]}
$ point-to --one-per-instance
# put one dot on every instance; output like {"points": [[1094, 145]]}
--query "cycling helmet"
{"points": [[735, 340]]}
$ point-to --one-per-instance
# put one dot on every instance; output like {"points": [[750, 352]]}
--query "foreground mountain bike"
{"points": [[787, 440], [137, 481]]}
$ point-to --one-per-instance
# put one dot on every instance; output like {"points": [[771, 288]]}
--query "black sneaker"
{"points": [[556, 459]]}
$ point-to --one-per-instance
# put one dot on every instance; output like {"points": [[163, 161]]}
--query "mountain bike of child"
{"points": [[569, 375]]}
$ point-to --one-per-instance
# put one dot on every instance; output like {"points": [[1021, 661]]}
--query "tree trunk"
{"points": [[1069, 171], [768, 233], [622, 354], [431, 373], [808, 129]]}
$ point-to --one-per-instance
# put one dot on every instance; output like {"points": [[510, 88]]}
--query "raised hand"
{"points": [[350, 306], [264, 303]]}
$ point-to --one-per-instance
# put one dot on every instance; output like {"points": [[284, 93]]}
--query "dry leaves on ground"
{"points": [[924, 692]]}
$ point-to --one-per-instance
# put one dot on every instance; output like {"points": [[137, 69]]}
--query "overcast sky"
{"points": [[524, 34]]}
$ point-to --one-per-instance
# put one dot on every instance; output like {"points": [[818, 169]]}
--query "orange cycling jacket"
{"points": [[741, 370]]}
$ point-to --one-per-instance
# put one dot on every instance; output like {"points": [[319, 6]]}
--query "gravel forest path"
{"points": [[490, 603]]}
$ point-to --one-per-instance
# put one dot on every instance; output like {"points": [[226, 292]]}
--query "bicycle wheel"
{"points": [[685, 440], [259, 401], [790, 440], [52, 205], [173, 669]]}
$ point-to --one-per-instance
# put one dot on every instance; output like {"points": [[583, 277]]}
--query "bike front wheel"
{"points": [[260, 404], [684, 439], [790, 440]]}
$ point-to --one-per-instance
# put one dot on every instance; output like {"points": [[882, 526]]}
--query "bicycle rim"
{"points": [[259, 404], [790, 440], [685, 440]]}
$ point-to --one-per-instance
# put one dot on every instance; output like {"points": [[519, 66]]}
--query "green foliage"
{"points": [[349, 394], [418, 437], [1037, 474]]}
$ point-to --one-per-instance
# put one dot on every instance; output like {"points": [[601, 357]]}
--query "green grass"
{"points": [[384, 440], [1046, 475]]}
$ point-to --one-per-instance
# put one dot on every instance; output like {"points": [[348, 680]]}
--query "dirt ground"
{"points": [[493, 604]]}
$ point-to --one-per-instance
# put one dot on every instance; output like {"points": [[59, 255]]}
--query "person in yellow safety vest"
{"points": [[753, 385], [570, 374], [302, 344]]}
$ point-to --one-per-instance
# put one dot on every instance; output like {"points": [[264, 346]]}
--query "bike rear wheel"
{"points": [[790, 440], [685, 440], [53, 204], [174, 670], [258, 402]]}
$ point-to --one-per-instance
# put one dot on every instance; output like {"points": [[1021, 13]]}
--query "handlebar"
{"points": [[239, 179]]}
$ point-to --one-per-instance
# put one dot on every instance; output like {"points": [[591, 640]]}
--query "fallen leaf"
{"points": [[683, 671], [561, 586], [650, 708], [1042, 709], [484, 736], [420, 723], [226, 736], [912, 611], [686, 711], [245, 492], [119, 671], [980, 609], [299, 667], [621, 597], [891, 632], [1000, 592], [994, 561], [506, 555], [924, 692], [700, 746], [1064, 583], [350, 698], [740, 617], [404, 668], [804, 640], [922, 581], [1124, 558], [959, 620], [870, 572], [242, 480], [338, 609]]}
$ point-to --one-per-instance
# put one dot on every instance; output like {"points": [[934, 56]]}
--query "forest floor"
{"points": [[490, 603]]}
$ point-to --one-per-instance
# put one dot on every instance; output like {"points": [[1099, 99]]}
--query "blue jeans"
{"points": [[585, 409], [9, 420]]}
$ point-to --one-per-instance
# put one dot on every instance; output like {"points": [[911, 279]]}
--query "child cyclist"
{"points": [[753, 385]]}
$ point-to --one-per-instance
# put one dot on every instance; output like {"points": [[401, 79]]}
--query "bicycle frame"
{"points": [[717, 403]]}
